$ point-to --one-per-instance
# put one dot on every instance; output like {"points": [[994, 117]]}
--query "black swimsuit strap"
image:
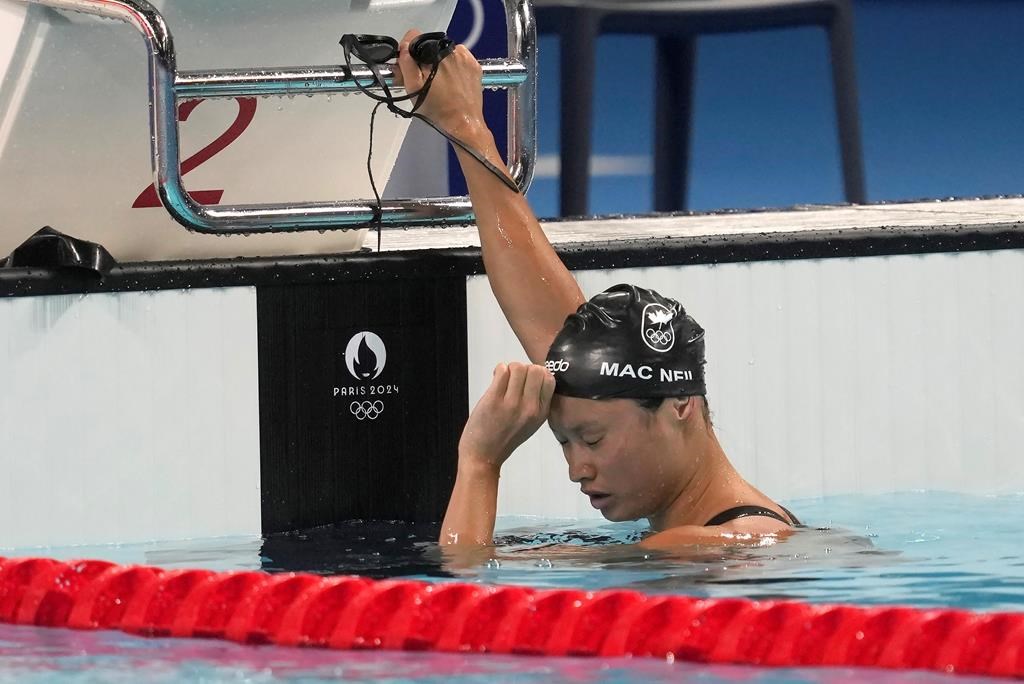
{"points": [[792, 517], [745, 511]]}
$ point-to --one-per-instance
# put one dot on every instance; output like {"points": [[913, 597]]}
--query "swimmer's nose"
{"points": [[579, 469]]}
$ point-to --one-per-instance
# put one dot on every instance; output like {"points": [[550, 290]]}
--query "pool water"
{"points": [[918, 548], [59, 656], [921, 549]]}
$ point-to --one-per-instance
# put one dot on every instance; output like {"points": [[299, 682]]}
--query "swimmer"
{"points": [[619, 378]]}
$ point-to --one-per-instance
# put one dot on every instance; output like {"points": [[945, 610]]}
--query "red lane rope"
{"points": [[359, 613]]}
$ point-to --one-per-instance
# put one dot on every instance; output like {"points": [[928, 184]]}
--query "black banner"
{"points": [[363, 395]]}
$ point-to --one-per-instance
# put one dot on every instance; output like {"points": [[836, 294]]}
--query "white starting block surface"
{"points": [[919, 215], [74, 127]]}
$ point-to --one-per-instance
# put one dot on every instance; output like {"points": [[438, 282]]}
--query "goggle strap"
{"points": [[486, 163], [388, 97], [378, 210], [421, 95], [349, 45]]}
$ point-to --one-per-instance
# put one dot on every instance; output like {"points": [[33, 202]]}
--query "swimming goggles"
{"points": [[427, 49]]}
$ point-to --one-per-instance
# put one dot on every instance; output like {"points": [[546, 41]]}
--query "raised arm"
{"points": [[533, 287]]}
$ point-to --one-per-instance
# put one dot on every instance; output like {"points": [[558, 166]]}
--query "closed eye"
{"points": [[594, 442]]}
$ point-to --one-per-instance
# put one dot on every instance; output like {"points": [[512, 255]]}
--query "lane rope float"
{"points": [[351, 612]]}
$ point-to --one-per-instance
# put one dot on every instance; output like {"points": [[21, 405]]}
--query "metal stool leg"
{"points": [[673, 117], [578, 59], [844, 82]]}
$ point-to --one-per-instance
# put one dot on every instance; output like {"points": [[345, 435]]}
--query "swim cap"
{"points": [[629, 343]]}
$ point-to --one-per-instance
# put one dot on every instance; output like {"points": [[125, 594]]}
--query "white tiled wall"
{"points": [[128, 417], [12, 16], [825, 376]]}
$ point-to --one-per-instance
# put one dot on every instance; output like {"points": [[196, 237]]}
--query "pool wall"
{"points": [[825, 376], [206, 412], [220, 397], [129, 416]]}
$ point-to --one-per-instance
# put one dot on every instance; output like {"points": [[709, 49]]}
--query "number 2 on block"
{"points": [[246, 112]]}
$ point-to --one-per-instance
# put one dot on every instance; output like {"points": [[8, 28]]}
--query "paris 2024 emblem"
{"points": [[366, 355]]}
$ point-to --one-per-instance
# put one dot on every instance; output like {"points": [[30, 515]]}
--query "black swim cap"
{"points": [[628, 343]]}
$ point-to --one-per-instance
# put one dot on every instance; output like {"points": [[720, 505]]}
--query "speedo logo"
{"points": [[626, 370], [557, 365]]}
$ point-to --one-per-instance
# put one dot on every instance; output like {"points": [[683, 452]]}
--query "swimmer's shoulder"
{"points": [[753, 524], [748, 531]]}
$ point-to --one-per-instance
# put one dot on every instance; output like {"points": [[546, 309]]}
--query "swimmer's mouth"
{"points": [[597, 499]]}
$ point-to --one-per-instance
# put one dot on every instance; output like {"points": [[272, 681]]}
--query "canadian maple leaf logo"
{"points": [[660, 317]]}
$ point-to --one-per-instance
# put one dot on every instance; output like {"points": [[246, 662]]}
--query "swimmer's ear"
{"points": [[683, 407]]}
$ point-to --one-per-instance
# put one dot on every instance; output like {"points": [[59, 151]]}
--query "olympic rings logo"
{"points": [[659, 337], [366, 410]]}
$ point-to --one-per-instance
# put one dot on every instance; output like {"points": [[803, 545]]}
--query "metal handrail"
{"points": [[167, 85]]}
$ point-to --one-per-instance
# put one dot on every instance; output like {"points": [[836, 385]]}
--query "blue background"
{"points": [[941, 98]]}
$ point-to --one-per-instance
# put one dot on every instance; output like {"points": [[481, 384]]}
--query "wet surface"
{"points": [[919, 549], [36, 656]]}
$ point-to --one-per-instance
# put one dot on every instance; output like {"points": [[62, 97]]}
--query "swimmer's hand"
{"points": [[455, 101], [509, 412]]}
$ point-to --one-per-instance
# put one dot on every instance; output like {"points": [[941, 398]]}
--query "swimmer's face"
{"points": [[626, 455]]}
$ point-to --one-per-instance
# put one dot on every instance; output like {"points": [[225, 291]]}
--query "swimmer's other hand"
{"points": [[509, 412], [455, 101]]}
